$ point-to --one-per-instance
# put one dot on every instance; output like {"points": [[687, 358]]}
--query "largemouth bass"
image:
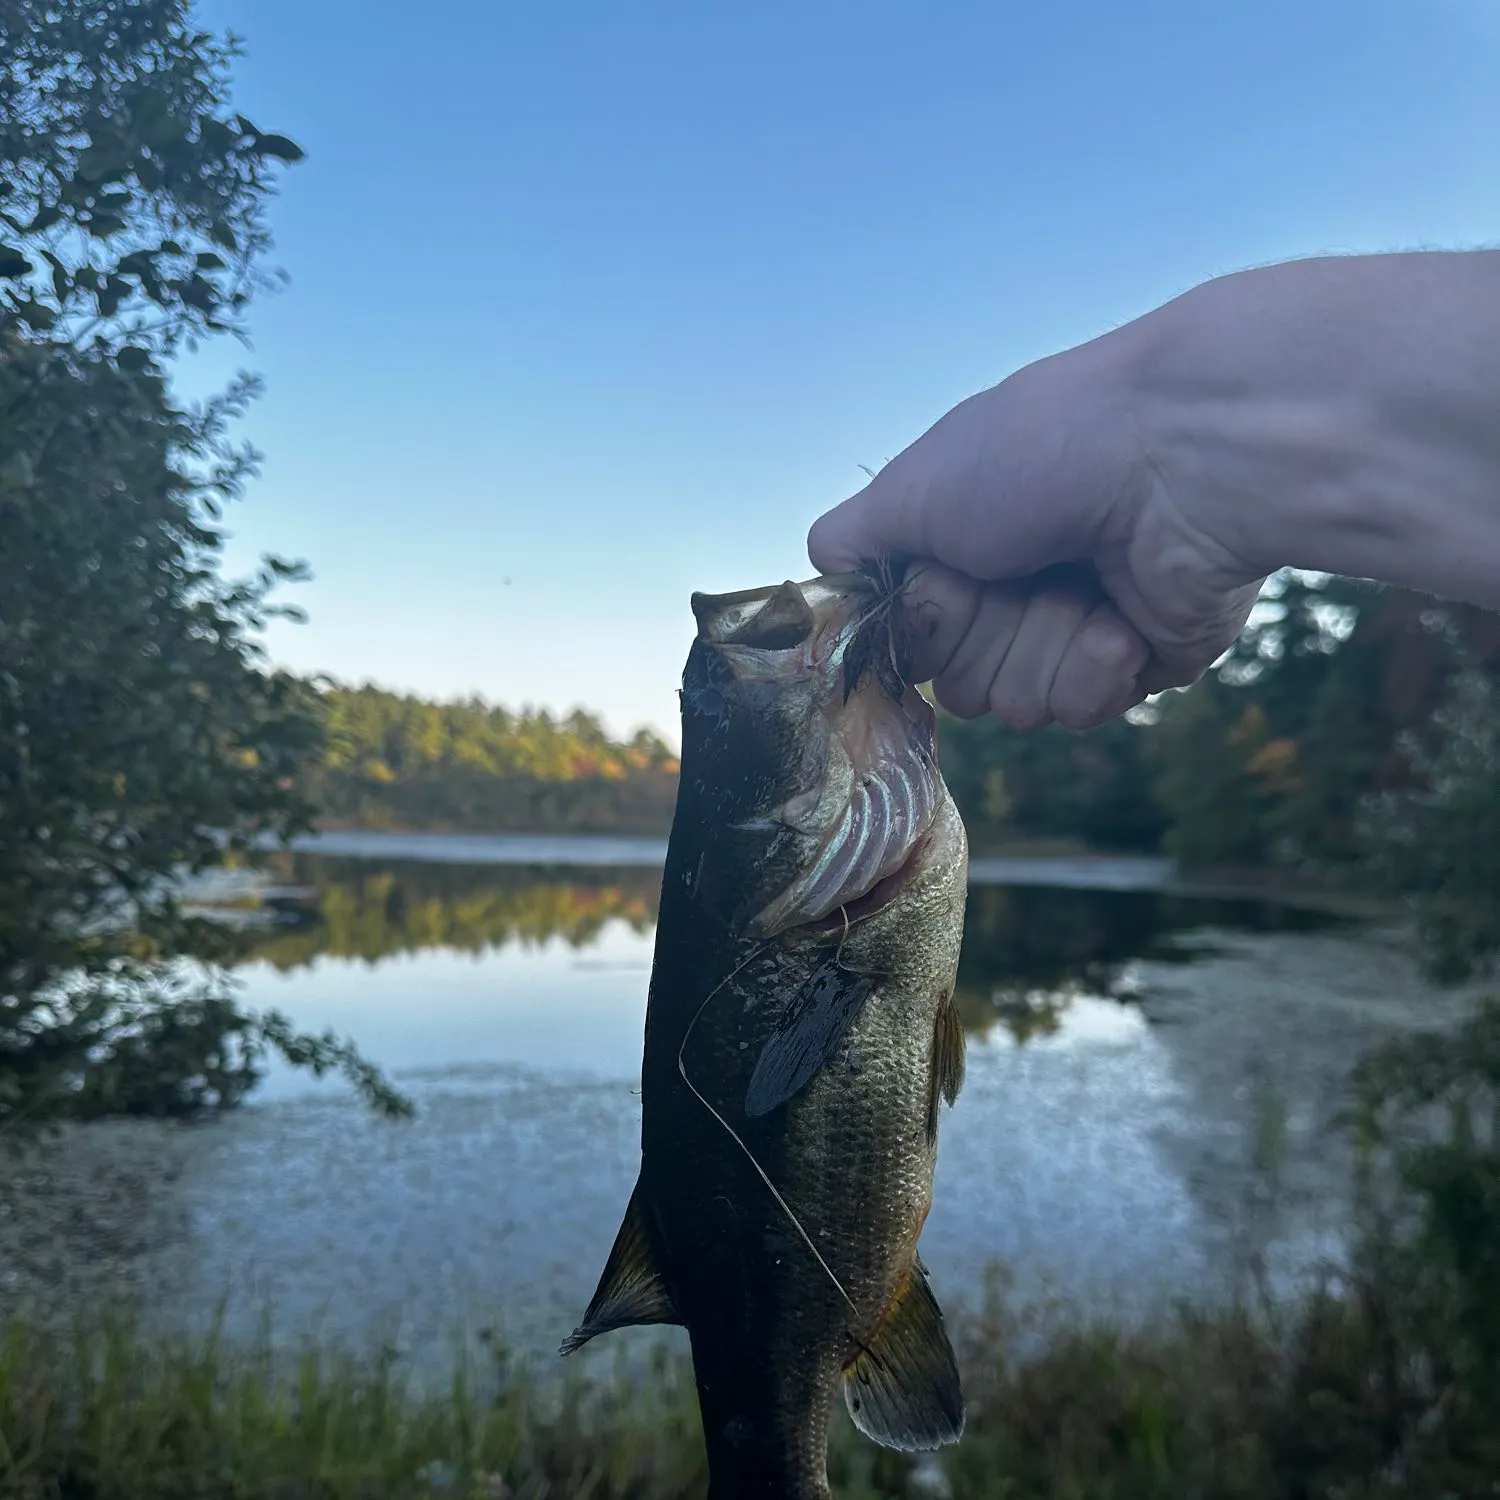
{"points": [[800, 1036]]}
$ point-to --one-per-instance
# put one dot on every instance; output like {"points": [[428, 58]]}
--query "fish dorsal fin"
{"points": [[631, 1291], [903, 1390], [948, 1054], [818, 1017]]}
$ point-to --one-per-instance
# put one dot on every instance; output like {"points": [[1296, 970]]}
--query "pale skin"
{"points": [[1097, 526]]}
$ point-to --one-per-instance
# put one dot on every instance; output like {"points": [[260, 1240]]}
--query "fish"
{"points": [[801, 1037]]}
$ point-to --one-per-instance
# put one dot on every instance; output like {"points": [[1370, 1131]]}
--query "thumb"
{"points": [[870, 525], [991, 490]]}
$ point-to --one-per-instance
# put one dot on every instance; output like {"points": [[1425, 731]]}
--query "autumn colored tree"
{"points": [[395, 760]]}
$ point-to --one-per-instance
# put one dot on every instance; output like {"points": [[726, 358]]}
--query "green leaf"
{"points": [[12, 262], [115, 291], [279, 146], [197, 292], [37, 315], [216, 135]]}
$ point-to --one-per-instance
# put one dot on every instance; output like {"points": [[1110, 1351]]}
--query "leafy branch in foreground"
{"points": [[163, 1041], [142, 733]]}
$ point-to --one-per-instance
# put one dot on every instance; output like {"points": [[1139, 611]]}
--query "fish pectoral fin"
{"points": [[631, 1291], [903, 1391], [817, 1019], [949, 1049]]}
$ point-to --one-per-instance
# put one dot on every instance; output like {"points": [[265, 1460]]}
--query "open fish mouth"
{"points": [[869, 827]]}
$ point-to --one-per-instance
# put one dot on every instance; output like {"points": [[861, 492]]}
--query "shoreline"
{"points": [[1054, 863]]}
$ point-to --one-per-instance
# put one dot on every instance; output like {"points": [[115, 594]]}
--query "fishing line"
{"points": [[729, 1129]]}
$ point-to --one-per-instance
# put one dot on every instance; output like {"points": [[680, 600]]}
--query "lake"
{"points": [[1132, 1048]]}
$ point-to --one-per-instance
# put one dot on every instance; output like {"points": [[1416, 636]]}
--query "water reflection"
{"points": [[363, 909], [1101, 1156], [1027, 953]]}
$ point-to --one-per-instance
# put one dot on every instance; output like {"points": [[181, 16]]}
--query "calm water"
{"points": [[508, 997]]}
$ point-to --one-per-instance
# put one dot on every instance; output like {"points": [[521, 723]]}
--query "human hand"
{"points": [[1058, 572]]}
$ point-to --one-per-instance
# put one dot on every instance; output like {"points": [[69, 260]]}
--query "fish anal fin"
{"points": [[818, 1018], [903, 1390], [631, 1291], [949, 1050]]}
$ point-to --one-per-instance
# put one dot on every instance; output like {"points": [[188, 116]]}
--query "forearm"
{"points": [[1337, 414]]}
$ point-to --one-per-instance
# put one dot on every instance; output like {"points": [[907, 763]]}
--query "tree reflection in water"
{"points": [[373, 910], [1027, 950]]}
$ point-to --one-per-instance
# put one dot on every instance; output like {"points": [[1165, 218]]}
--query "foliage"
{"points": [[397, 760], [140, 732], [1091, 788], [1217, 769], [132, 199], [1427, 1111], [1439, 841]]}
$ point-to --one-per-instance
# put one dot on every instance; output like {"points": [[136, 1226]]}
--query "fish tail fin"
{"points": [[631, 1291], [903, 1390]]}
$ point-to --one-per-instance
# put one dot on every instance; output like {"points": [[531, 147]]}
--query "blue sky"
{"points": [[593, 305]]}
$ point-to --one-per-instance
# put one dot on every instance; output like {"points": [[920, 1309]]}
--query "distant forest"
{"points": [[389, 760], [1280, 757]]}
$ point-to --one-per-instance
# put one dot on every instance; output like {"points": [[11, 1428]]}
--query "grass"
{"points": [[1383, 1383], [112, 1413], [1351, 1401]]}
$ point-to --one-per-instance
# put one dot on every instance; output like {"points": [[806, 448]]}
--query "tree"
{"points": [[1051, 784], [1213, 748], [141, 734], [1438, 841], [396, 760]]}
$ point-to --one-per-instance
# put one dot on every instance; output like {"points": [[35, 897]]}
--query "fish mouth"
{"points": [[820, 616], [865, 812], [875, 800], [844, 623]]}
